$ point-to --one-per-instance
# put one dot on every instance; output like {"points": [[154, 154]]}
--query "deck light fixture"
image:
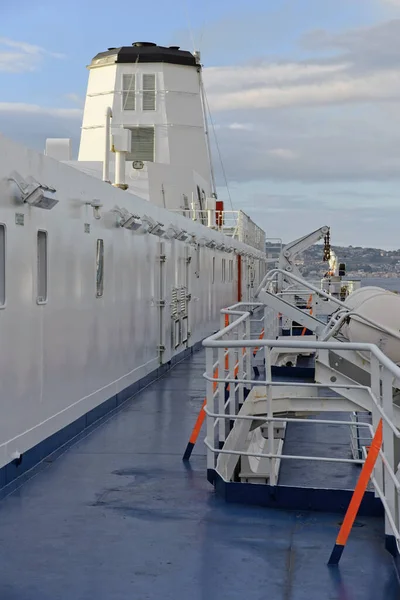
{"points": [[126, 219], [29, 191]]}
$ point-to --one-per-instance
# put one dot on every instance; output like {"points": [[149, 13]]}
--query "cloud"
{"points": [[22, 57], [355, 66], [288, 211], [333, 116], [75, 99], [34, 109], [373, 88], [31, 124], [284, 153], [241, 126]]}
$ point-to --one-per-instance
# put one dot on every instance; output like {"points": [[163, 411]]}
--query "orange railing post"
{"points": [[198, 425], [357, 497], [202, 414]]}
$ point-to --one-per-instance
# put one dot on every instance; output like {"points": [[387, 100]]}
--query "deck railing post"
{"points": [[267, 324], [388, 449], [270, 413], [221, 395], [232, 386], [376, 416], [241, 333], [210, 408], [248, 351]]}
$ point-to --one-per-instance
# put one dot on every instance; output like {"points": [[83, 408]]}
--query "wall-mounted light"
{"points": [[126, 219], [171, 233], [96, 205], [32, 192], [153, 227], [183, 236]]}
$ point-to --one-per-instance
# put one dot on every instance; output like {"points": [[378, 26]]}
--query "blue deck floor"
{"points": [[118, 516]]}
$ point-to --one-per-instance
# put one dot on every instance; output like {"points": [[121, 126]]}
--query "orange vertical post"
{"points": [[357, 497], [198, 425]]}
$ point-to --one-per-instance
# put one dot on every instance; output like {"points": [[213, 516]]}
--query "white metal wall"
{"points": [[63, 358]]}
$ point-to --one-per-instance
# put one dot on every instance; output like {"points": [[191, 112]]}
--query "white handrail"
{"points": [[214, 341], [270, 275], [384, 375]]}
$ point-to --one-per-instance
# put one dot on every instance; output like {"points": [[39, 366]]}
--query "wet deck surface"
{"points": [[119, 516], [328, 441]]}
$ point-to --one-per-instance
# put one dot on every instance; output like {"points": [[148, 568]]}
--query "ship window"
{"points": [[128, 92], [99, 268], [142, 144], [213, 269], [149, 92], [41, 267], [223, 269], [231, 270], [2, 265]]}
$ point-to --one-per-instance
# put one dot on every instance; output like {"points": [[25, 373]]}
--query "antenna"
{"points": [[204, 105]]}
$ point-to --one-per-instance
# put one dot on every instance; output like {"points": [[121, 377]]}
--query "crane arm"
{"points": [[290, 251]]}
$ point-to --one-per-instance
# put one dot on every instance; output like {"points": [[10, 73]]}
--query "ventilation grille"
{"points": [[142, 144]]}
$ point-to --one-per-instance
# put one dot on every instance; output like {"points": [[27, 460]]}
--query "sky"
{"points": [[304, 97]]}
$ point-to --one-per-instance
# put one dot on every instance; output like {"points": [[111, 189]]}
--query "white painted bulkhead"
{"points": [[61, 358]]}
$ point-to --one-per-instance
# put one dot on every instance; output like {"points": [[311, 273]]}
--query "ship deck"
{"points": [[116, 514]]}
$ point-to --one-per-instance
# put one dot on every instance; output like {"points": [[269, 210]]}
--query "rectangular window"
{"points": [[41, 267], [213, 269], [99, 268], [223, 269], [142, 144], [128, 92], [2, 265], [231, 270], [149, 92]]}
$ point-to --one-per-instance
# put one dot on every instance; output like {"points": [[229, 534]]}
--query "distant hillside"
{"points": [[359, 261]]}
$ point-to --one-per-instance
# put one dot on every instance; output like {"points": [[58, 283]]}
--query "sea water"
{"points": [[388, 283]]}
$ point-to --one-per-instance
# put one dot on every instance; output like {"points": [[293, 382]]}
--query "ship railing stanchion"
{"points": [[232, 365], [248, 357], [221, 396], [241, 333], [375, 370], [389, 450], [211, 409], [357, 497], [199, 421], [223, 365], [270, 413]]}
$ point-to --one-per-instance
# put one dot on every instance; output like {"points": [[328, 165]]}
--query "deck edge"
{"points": [[11, 472]]}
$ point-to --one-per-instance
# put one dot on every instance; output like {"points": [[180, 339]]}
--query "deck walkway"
{"points": [[118, 516]]}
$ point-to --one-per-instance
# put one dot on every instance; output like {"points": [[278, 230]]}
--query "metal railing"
{"points": [[228, 375], [234, 223]]}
